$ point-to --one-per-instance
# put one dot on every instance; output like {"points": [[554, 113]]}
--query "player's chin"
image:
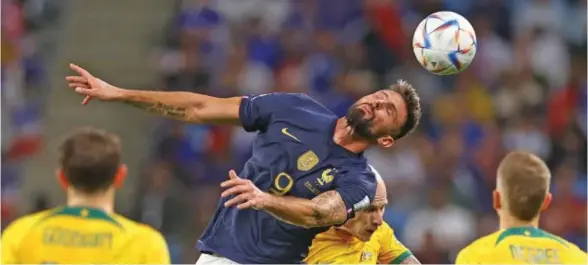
{"points": [[366, 235]]}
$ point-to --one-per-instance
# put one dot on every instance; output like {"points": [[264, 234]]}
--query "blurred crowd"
{"points": [[525, 90], [28, 46]]}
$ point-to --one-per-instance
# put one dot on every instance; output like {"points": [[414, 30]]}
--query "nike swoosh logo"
{"points": [[285, 132]]}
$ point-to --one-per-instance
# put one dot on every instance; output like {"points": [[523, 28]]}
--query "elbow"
{"points": [[193, 115]]}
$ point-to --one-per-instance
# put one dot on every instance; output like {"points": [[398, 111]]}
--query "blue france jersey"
{"points": [[293, 155]]}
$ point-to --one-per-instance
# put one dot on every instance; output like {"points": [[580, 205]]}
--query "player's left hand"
{"points": [[247, 195]]}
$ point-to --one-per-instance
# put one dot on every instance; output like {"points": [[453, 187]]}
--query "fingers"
{"points": [[247, 204], [233, 174], [232, 182], [86, 100], [80, 71], [83, 90], [235, 190], [78, 79], [76, 84], [238, 199]]}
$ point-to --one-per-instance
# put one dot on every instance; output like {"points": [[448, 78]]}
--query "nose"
{"points": [[377, 103], [378, 218]]}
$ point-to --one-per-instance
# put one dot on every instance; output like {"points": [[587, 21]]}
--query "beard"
{"points": [[359, 124]]}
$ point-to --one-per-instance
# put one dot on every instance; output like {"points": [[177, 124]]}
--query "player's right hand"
{"points": [[91, 87]]}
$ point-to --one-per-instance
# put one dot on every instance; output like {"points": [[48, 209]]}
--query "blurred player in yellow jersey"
{"points": [[86, 230], [365, 239], [522, 192]]}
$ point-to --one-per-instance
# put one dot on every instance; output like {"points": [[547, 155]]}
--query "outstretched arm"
{"points": [[326, 209], [185, 106]]}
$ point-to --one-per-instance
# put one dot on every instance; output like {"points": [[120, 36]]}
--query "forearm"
{"points": [[185, 106], [326, 209]]}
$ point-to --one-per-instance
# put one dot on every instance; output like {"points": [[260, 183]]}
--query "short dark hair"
{"points": [[524, 178], [90, 159], [413, 108]]}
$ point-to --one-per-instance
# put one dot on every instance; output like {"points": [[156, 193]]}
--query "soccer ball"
{"points": [[444, 43]]}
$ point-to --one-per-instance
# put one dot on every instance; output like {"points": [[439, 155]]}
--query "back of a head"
{"points": [[90, 159], [523, 181]]}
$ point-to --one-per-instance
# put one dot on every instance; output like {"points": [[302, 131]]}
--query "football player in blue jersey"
{"points": [[307, 170]]}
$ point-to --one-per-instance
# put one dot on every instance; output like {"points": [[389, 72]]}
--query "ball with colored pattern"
{"points": [[444, 43]]}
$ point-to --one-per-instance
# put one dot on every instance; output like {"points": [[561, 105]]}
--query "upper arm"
{"points": [[463, 257], [8, 246], [11, 238], [256, 112], [357, 190], [329, 209], [216, 111], [353, 192], [156, 250]]}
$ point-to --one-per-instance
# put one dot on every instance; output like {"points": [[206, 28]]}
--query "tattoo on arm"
{"points": [[330, 209], [161, 109], [410, 260]]}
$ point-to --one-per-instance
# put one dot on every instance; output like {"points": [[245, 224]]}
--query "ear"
{"points": [[120, 176], [496, 200], [546, 202], [386, 141], [62, 179]]}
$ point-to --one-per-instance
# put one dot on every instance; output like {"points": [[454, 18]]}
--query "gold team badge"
{"points": [[365, 256], [307, 161]]}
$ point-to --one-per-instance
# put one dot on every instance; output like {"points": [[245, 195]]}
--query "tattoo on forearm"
{"points": [[410, 260], [330, 210], [161, 109]]}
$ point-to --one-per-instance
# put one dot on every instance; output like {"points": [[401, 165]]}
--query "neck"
{"points": [[507, 221], [344, 137], [344, 232], [103, 200]]}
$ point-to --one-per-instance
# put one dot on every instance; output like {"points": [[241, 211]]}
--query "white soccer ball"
{"points": [[444, 43]]}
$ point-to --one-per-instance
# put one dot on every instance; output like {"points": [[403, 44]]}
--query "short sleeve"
{"points": [[357, 189], [10, 239], [155, 250], [255, 112], [392, 251], [463, 257]]}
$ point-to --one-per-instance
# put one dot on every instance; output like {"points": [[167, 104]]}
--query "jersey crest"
{"points": [[365, 255], [307, 161]]}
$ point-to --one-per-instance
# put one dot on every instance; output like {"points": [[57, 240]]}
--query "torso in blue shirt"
{"points": [[293, 155]]}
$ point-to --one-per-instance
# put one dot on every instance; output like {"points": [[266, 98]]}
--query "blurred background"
{"points": [[525, 90]]}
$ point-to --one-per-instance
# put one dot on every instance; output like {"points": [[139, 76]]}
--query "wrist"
{"points": [[120, 94], [265, 200]]}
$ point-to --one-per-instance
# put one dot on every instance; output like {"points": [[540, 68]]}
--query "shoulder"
{"points": [[147, 234], [151, 233], [387, 237], [361, 174], [14, 233], [28, 221], [385, 229], [279, 98], [384, 234], [141, 229], [290, 101], [477, 247]]}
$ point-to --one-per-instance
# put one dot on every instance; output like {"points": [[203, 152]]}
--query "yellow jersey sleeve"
{"points": [[392, 251], [10, 241], [464, 257], [580, 257], [11, 238], [154, 248]]}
